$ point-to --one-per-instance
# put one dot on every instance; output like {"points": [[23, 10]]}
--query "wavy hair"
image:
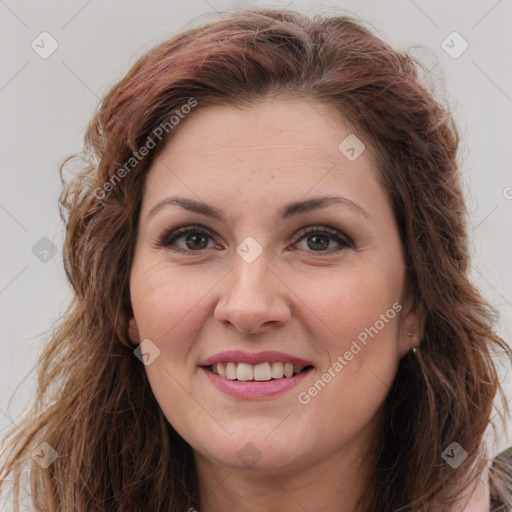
{"points": [[94, 406]]}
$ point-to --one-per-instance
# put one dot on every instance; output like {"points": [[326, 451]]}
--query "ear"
{"points": [[410, 332], [133, 331]]}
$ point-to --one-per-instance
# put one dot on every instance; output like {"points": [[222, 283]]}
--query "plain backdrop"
{"points": [[46, 103]]}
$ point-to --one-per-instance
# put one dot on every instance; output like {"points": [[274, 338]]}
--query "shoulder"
{"points": [[501, 474]]}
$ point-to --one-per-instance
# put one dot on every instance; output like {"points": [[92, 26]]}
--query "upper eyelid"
{"points": [[198, 227]]}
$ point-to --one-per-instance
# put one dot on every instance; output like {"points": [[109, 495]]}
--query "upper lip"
{"points": [[239, 356]]}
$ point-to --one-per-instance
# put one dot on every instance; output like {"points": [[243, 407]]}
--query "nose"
{"points": [[253, 298]]}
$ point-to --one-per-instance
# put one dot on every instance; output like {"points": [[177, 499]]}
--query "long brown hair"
{"points": [[115, 449]]}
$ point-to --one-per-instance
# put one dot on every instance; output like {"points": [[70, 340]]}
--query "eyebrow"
{"points": [[287, 211]]}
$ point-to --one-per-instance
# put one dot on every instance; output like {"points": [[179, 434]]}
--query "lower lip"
{"points": [[252, 389]]}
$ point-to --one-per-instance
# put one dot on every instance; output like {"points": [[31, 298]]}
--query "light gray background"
{"points": [[45, 105]]}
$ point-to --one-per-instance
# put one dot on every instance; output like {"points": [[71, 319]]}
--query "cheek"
{"points": [[361, 311], [167, 305], [163, 299], [350, 303]]}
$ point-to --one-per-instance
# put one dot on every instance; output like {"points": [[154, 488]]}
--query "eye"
{"points": [[319, 238], [195, 238]]}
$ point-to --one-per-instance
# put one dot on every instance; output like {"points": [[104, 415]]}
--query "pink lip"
{"points": [[252, 389], [238, 356]]}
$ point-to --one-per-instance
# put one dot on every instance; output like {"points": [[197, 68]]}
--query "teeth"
{"points": [[259, 372], [277, 371], [262, 372], [231, 371], [244, 371]]}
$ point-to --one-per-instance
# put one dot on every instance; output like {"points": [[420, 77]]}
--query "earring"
{"points": [[413, 349]]}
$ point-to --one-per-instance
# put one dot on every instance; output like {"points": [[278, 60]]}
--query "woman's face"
{"points": [[268, 282]]}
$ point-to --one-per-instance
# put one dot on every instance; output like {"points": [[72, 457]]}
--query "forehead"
{"points": [[291, 144], [224, 130]]}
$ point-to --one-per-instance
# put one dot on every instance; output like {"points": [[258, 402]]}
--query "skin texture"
{"points": [[294, 298]]}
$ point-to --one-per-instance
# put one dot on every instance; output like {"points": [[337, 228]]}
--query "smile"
{"points": [[249, 375]]}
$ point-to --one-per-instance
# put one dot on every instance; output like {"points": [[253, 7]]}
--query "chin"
{"points": [[257, 452]]}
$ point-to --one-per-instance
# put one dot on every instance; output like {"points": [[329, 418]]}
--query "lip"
{"points": [[269, 356], [252, 389]]}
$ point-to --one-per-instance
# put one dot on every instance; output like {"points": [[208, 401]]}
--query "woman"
{"points": [[216, 355]]}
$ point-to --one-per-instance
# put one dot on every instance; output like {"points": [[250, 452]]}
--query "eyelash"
{"points": [[171, 235]]}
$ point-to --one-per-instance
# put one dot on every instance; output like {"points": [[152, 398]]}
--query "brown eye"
{"points": [[194, 239], [320, 238]]}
